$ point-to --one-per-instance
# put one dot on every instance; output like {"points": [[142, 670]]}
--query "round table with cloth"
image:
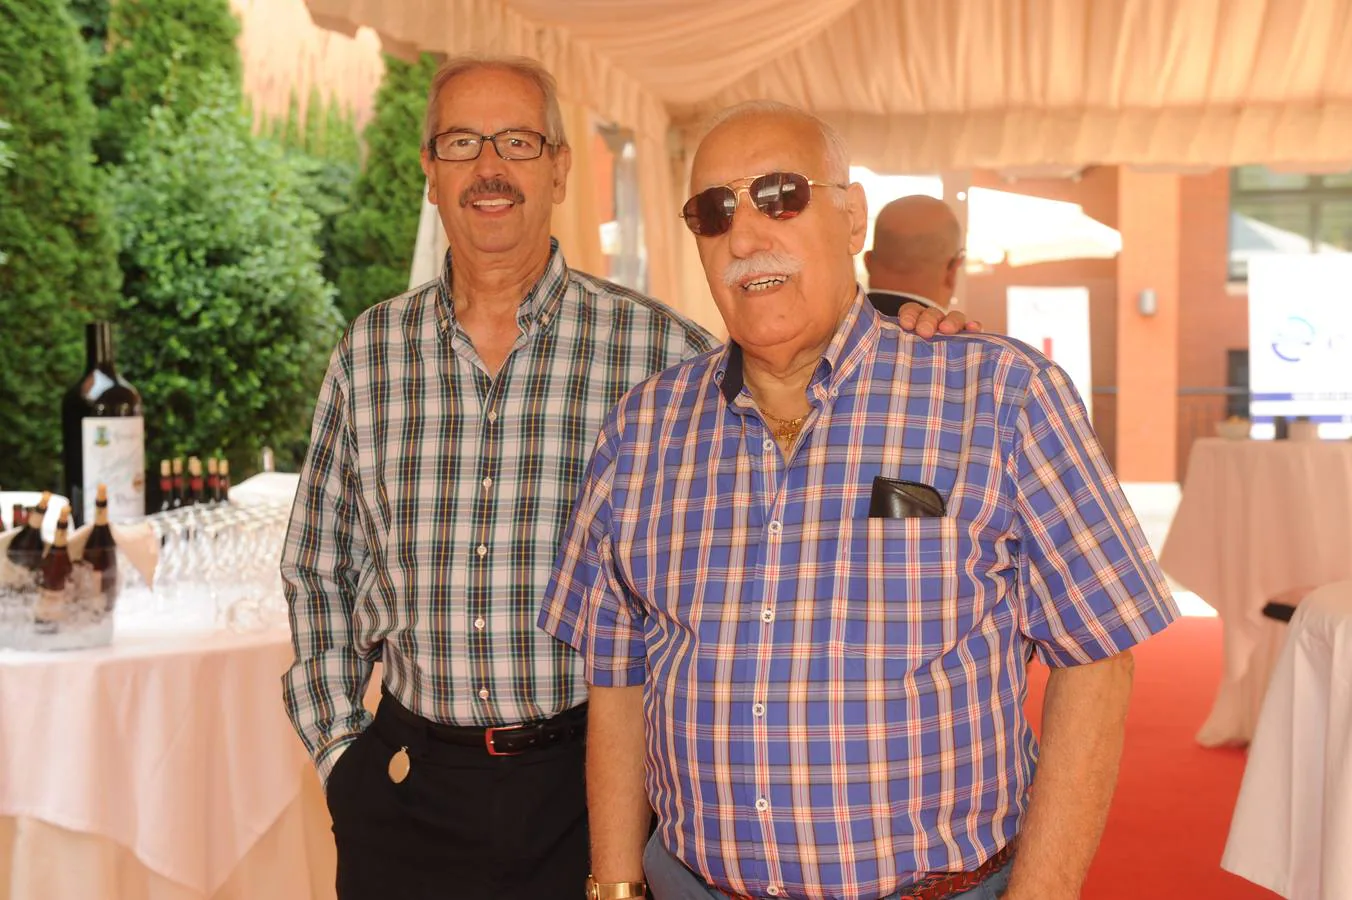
{"points": [[1257, 518], [162, 767], [1292, 827]]}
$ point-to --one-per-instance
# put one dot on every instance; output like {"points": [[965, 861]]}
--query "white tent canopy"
{"points": [[925, 85]]}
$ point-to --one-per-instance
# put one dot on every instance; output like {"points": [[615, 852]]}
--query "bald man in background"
{"points": [[917, 250]]}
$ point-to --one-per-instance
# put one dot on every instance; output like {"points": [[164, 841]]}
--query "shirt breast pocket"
{"points": [[901, 590]]}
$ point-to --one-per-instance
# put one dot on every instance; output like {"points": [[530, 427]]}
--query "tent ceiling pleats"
{"points": [[919, 86], [923, 84]]}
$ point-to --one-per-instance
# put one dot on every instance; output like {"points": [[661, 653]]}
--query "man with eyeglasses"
{"points": [[450, 439], [806, 570], [917, 252]]}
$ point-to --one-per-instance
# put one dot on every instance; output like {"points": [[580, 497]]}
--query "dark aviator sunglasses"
{"points": [[779, 195]]}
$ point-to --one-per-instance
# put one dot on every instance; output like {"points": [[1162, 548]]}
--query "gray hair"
{"points": [[836, 153], [522, 65]]}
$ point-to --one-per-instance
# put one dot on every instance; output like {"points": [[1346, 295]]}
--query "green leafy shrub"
{"points": [[228, 321], [6, 161], [60, 270], [341, 141], [91, 17], [169, 53], [326, 154], [373, 241]]}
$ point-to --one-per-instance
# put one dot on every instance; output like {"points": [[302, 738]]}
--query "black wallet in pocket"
{"points": [[893, 499]]}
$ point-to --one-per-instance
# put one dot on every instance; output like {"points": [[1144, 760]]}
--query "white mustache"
{"points": [[766, 262]]}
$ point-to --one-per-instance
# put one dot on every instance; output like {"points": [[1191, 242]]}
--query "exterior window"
{"points": [[1287, 212]]}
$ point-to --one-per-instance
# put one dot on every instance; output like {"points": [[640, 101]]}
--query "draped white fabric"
{"points": [[985, 82], [930, 85]]}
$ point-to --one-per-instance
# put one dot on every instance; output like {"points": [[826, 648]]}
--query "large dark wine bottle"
{"points": [[103, 435]]}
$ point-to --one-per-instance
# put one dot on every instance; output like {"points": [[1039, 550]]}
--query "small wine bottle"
{"points": [[178, 482], [195, 494], [25, 550], [225, 480], [100, 552], [166, 487], [213, 480], [56, 570]]}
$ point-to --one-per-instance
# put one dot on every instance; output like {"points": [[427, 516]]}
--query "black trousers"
{"points": [[463, 825]]}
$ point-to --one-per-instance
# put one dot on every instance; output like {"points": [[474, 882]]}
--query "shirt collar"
{"points": [[857, 333], [537, 309], [907, 295]]}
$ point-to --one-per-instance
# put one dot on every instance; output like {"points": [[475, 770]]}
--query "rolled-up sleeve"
{"points": [[588, 604], [1092, 587], [321, 566]]}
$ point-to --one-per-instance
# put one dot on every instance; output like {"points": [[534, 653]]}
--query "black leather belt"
{"points": [[501, 740]]}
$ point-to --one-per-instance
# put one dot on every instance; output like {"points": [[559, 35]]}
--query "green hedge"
{"points": [[6, 161], [326, 152], [91, 17], [161, 53], [373, 242], [61, 268], [227, 323]]}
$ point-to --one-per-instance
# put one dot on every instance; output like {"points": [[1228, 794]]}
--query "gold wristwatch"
{"points": [[615, 890]]}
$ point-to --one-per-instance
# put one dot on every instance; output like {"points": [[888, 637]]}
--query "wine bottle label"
{"points": [[115, 455]]}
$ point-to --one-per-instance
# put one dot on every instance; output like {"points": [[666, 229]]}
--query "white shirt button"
{"points": [[768, 445], [776, 527], [767, 615], [482, 550], [762, 804], [483, 693], [479, 623], [758, 709], [772, 891], [487, 483], [492, 415]]}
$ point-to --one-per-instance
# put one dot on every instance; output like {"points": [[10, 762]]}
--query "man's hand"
{"points": [[926, 320]]}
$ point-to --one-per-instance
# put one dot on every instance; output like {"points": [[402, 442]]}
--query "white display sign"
{"points": [[115, 456], [1055, 321], [1300, 339]]}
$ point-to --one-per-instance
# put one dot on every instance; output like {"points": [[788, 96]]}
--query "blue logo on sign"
{"points": [[1294, 338]]}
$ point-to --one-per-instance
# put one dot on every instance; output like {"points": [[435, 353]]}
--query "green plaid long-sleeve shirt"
{"points": [[434, 495]]}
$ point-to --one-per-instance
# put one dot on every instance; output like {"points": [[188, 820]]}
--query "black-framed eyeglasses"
{"points": [[779, 195], [515, 144]]}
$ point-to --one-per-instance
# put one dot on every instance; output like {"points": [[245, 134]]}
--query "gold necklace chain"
{"points": [[788, 428]]}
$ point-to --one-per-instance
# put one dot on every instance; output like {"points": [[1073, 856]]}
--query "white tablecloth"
{"points": [[1292, 828], [170, 748], [1257, 518]]}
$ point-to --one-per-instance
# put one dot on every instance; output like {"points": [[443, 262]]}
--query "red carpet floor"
{"points": [[1167, 826]]}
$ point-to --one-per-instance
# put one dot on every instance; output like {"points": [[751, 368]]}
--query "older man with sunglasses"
{"points": [[807, 570], [450, 439]]}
